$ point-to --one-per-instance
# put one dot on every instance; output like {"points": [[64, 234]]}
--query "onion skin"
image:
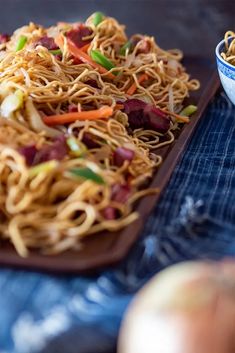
{"points": [[187, 308]]}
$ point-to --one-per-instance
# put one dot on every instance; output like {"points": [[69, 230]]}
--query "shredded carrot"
{"points": [[101, 113], [59, 40], [183, 119], [85, 47], [78, 53], [131, 90], [119, 107]]}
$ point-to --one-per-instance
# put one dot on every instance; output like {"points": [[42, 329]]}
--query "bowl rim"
{"points": [[219, 57]]}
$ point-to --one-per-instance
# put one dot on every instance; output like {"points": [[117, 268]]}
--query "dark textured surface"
{"points": [[195, 26]]}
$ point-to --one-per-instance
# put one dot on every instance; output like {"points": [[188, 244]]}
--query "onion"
{"points": [[26, 77], [173, 64], [129, 145], [129, 60], [53, 31], [137, 62], [3, 54], [11, 103], [171, 100], [146, 99], [187, 308], [36, 122]]}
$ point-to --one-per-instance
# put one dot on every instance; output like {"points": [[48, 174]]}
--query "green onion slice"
{"points": [[101, 59], [21, 43], [88, 174], [56, 52], [124, 48], [77, 149], [98, 17], [189, 110], [42, 167]]}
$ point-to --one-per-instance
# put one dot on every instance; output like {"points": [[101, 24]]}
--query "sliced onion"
{"points": [[3, 54], [11, 103], [173, 64], [26, 77], [36, 122], [171, 99], [129, 60], [137, 62], [130, 146], [146, 99], [53, 31]]}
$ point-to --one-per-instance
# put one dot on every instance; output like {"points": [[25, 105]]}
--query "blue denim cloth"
{"points": [[195, 218]]}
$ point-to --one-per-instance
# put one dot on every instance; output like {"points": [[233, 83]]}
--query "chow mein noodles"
{"points": [[83, 110], [229, 53]]}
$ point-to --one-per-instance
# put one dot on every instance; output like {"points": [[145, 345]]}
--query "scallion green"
{"points": [[56, 52], [189, 110], [77, 149], [42, 167], [21, 43], [101, 59], [98, 17], [88, 174], [125, 47]]}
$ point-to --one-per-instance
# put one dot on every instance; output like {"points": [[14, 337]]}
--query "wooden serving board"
{"points": [[108, 248]]}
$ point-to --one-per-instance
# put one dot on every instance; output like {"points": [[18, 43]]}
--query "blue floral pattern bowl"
{"points": [[226, 72]]}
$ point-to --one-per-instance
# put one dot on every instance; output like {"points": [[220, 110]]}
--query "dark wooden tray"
{"points": [[108, 248]]}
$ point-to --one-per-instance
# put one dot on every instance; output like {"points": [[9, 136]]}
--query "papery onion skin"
{"points": [[187, 308]]}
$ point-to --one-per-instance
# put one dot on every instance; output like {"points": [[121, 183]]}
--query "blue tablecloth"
{"points": [[195, 218]]}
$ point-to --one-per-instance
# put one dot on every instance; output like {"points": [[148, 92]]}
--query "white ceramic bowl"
{"points": [[226, 72]]}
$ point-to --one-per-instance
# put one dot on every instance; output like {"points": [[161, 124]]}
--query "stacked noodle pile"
{"points": [[81, 109], [229, 54]]}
